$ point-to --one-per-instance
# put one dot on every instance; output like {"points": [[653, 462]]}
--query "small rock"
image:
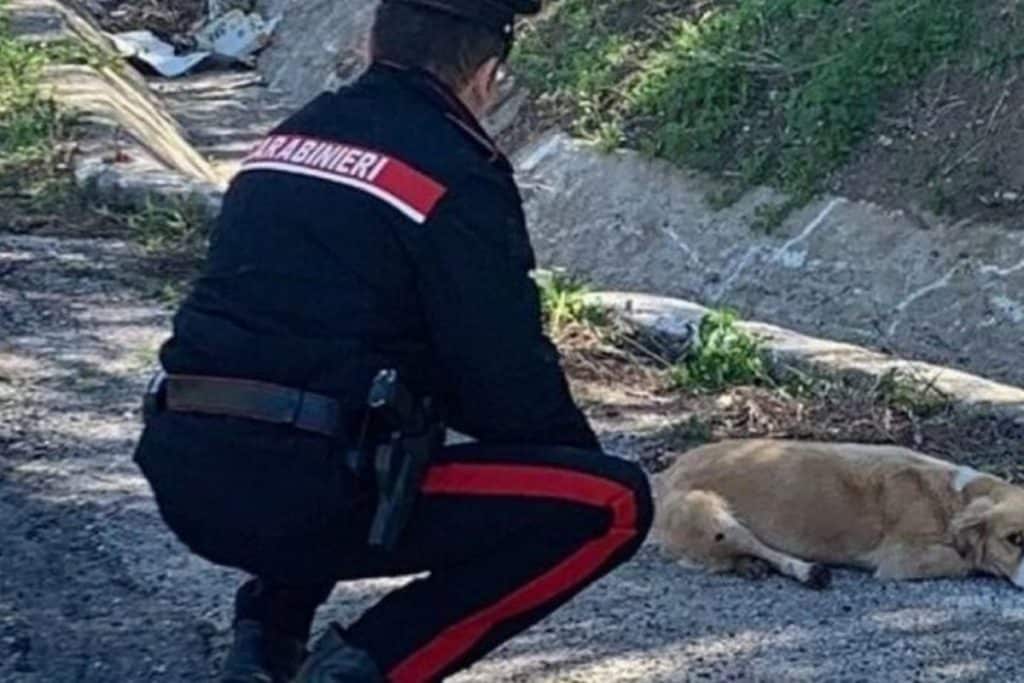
{"points": [[885, 141]]}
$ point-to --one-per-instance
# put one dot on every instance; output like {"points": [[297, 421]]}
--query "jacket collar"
{"points": [[441, 96]]}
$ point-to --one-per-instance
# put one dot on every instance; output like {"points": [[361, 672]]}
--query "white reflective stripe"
{"points": [[377, 192]]}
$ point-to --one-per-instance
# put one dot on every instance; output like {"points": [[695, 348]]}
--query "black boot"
{"points": [[333, 660], [257, 656]]}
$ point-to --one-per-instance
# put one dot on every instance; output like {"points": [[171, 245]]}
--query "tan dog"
{"points": [[749, 506]]}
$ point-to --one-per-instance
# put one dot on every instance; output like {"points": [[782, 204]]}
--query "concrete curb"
{"points": [[670, 316]]}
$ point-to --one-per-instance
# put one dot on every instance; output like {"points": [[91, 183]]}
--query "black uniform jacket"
{"points": [[380, 227]]}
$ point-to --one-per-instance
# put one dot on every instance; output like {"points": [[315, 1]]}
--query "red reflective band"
{"points": [[522, 481], [413, 187], [534, 482], [382, 176]]}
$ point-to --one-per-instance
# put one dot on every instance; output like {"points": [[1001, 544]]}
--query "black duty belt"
{"points": [[249, 399], [412, 428]]}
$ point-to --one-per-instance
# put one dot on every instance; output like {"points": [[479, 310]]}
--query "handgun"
{"points": [[415, 433]]}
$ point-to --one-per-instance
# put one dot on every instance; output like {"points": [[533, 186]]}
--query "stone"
{"points": [[319, 44], [784, 347]]}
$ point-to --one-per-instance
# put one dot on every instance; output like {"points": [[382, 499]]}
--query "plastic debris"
{"points": [[229, 33], [146, 47], [236, 35]]}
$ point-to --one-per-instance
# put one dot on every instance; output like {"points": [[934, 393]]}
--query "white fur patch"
{"points": [[801, 571], [964, 476], [1018, 577]]}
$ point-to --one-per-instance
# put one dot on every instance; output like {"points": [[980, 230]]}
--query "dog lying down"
{"points": [[754, 506]]}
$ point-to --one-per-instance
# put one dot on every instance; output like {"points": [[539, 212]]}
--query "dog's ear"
{"points": [[970, 527]]}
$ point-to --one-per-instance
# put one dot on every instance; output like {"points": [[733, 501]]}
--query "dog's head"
{"points": [[991, 534]]}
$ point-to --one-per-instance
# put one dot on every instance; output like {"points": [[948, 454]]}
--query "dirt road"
{"points": [[93, 589]]}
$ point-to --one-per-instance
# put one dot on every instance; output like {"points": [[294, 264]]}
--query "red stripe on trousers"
{"points": [[538, 482]]}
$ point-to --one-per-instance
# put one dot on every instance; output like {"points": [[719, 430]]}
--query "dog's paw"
{"points": [[753, 568], [819, 577]]}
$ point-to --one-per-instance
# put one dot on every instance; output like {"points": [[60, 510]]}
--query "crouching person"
{"points": [[380, 227]]}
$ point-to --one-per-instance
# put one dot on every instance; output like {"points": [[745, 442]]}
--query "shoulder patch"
{"points": [[384, 177]]}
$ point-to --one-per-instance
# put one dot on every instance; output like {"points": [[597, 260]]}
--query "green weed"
{"points": [[564, 303], [162, 225], [33, 129], [768, 217], [914, 394], [29, 120], [901, 390], [70, 51], [31, 124], [725, 355]]}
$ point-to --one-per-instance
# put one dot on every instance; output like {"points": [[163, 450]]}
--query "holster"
{"points": [[411, 433], [155, 397]]}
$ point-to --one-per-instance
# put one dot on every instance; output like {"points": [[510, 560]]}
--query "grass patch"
{"points": [[564, 303], [35, 135], [162, 225], [912, 395], [30, 122], [724, 355], [33, 129], [758, 91]]}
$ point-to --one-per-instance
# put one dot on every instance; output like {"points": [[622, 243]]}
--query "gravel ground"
{"points": [[92, 588]]}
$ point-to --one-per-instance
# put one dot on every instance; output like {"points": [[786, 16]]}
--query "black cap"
{"points": [[496, 14]]}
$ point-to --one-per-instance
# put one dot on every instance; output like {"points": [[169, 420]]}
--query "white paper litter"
{"points": [[234, 35], [146, 47]]}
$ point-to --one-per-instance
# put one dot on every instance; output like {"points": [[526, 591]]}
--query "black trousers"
{"points": [[506, 534]]}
